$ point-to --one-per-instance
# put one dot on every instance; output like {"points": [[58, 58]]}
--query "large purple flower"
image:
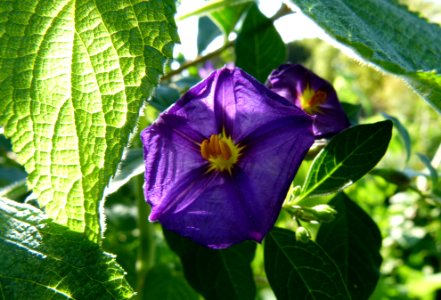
{"points": [[313, 94], [219, 162]]}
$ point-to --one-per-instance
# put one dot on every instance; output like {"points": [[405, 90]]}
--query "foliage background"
{"points": [[402, 195]]}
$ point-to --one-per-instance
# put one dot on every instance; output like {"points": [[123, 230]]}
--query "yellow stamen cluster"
{"points": [[221, 152], [310, 100]]}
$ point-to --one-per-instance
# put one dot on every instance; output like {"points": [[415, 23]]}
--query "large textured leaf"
{"points": [[44, 260], [348, 156], [353, 241], [216, 274], [298, 270], [259, 47], [73, 77], [387, 34]]}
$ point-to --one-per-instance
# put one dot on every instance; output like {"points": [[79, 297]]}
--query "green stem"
{"points": [[147, 247], [198, 60]]}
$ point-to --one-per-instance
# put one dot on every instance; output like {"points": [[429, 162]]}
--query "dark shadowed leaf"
{"points": [[297, 270], [353, 241], [162, 283], [44, 260], [348, 156], [259, 47], [216, 274]]}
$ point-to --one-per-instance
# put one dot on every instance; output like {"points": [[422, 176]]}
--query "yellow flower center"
{"points": [[310, 100], [221, 151]]}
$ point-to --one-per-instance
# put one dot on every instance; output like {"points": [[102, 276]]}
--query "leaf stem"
{"points": [[147, 247], [198, 60]]}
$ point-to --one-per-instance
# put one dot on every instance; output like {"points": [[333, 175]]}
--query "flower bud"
{"points": [[302, 235], [324, 212]]}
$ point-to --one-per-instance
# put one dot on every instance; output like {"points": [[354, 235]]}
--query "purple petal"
{"points": [[291, 81]]}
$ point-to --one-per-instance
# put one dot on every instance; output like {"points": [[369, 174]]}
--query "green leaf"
{"points": [[259, 47], [165, 284], [131, 166], [228, 17], [297, 270], [15, 190], [163, 97], [44, 260], [353, 241], [348, 156], [207, 32], [353, 111], [404, 134], [73, 76], [387, 34], [211, 6], [432, 171], [216, 274], [401, 179]]}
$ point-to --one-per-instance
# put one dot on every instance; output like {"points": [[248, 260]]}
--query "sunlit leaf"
{"points": [[44, 260], [432, 171], [211, 6], [387, 34], [73, 77], [353, 241], [216, 274], [348, 156], [297, 270]]}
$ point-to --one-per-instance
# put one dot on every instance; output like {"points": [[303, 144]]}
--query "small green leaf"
{"points": [[404, 134], [44, 260], [162, 283], [353, 111], [297, 270], [216, 274], [348, 156], [228, 17], [387, 34], [163, 97], [353, 241], [207, 32], [73, 77], [432, 171], [131, 166], [259, 47], [15, 190]]}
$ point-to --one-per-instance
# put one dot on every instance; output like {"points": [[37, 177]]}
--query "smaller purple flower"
{"points": [[312, 94], [220, 161]]}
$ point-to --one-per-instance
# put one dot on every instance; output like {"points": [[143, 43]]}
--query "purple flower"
{"points": [[219, 162], [313, 94]]}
